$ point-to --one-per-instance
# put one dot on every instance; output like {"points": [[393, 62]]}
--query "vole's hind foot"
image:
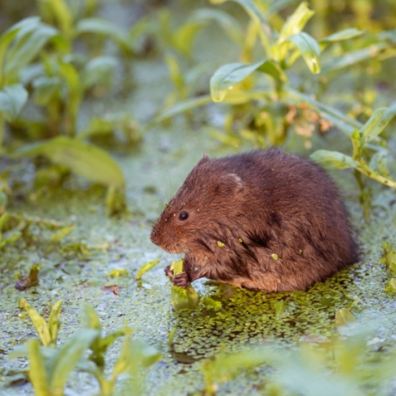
{"points": [[181, 280]]}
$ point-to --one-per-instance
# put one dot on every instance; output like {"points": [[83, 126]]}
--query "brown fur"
{"points": [[261, 220]]}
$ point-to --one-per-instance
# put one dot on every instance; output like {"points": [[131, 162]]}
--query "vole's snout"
{"points": [[155, 235]]}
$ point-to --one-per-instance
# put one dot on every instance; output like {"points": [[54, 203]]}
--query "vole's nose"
{"points": [[155, 235]]}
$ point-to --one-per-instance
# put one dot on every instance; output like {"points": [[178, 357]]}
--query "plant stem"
{"points": [[2, 133], [365, 170]]}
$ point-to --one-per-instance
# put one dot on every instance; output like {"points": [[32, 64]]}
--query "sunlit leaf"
{"points": [[229, 75], [345, 34], [67, 358], [296, 22], [333, 159], [273, 69], [182, 297], [390, 287], [184, 36], [54, 320], [82, 158], [145, 268], [38, 321], [377, 122], [309, 49], [343, 316], [12, 100], [61, 13], [37, 372], [226, 366]]}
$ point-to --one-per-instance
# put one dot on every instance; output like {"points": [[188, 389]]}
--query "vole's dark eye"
{"points": [[183, 215]]}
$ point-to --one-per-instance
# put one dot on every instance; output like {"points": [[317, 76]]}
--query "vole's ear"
{"points": [[204, 159], [230, 183]]}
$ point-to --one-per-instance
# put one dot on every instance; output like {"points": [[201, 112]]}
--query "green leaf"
{"points": [[345, 34], [46, 89], [67, 358], [309, 49], [28, 42], [352, 58], [98, 71], [182, 297], [106, 29], [229, 75], [184, 36], [379, 163], [82, 158], [226, 366], [377, 122], [273, 69], [54, 321], [38, 321], [227, 22], [37, 372], [184, 106], [255, 11], [296, 22], [91, 318], [357, 146], [250, 6], [12, 100], [333, 159], [390, 287], [343, 316], [145, 268], [62, 14]]}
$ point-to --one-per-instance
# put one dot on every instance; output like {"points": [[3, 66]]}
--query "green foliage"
{"points": [[367, 158], [83, 159], [40, 57], [50, 368], [341, 367], [47, 331], [149, 265], [182, 297]]}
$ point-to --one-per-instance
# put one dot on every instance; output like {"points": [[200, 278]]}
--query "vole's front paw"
{"points": [[181, 280], [169, 272]]}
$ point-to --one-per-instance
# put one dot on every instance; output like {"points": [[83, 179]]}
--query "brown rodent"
{"points": [[262, 220]]}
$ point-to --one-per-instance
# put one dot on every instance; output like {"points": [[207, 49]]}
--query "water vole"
{"points": [[263, 220]]}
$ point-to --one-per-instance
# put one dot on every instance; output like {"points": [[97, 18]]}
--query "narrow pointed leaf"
{"points": [[377, 122], [12, 100], [38, 321], [342, 35], [229, 75], [82, 158], [333, 159], [309, 49], [67, 358], [37, 373], [296, 22]]}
